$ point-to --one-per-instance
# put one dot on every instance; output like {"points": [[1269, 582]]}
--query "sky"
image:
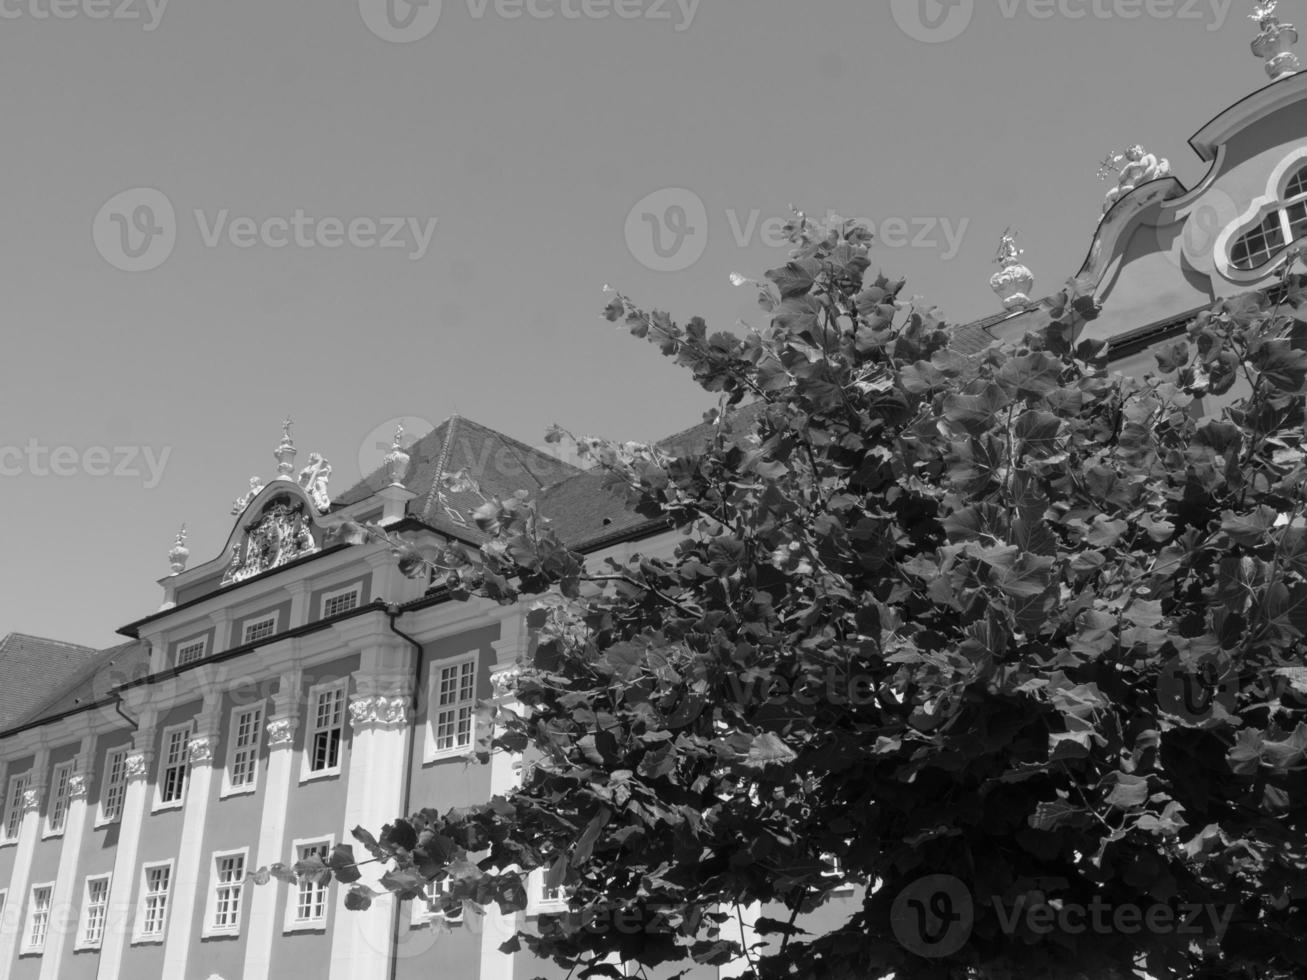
{"points": [[217, 215]]}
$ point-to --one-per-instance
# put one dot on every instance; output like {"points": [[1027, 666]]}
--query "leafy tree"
{"points": [[1064, 616]]}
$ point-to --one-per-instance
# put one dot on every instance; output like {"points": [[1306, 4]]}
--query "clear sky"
{"points": [[529, 132]]}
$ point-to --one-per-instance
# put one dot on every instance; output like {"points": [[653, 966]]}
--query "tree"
{"points": [[1062, 613]]}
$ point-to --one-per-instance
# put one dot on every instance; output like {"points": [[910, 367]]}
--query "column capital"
{"points": [[379, 711], [199, 749], [281, 731], [78, 785]]}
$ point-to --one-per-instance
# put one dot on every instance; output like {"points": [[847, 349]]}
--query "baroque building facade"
{"points": [[290, 688]]}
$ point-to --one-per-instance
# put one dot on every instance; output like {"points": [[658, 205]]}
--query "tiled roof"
{"points": [[34, 671], [93, 681]]}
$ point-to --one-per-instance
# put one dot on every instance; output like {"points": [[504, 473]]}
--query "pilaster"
{"points": [[118, 915], [64, 901], [29, 832]]}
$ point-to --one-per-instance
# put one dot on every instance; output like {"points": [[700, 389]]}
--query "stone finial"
{"points": [[1133, 167], [397, 460], [313, 478], [285, 452], [1014, 282], [1274, 42], [178, 554]]}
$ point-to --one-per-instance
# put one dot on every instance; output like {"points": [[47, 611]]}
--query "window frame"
{"points": [[61, 797], [233, 747], [211, 927], [183, 646], [292, 923], [26, 947], [139, 935], [184, 764], [537, 901], [312, 730], [356, 590], [431, 740], [424, 914], [109, 787], [83, 940], [251, 624], [16, 788]]}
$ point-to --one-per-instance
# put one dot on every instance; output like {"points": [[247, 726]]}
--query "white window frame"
{"points": [[164, 765], [27, 947], [292, 922], [84, 938], [435, 709], [109, 786], [61, 798], [356, 590], [312, 729], [211, 926], [424, 913], [15, 788], [139, 935], [254, 624], [233, 749], [202, 643], [537, 902]]}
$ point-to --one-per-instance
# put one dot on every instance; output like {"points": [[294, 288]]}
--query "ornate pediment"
{"points": [[281, 533]]}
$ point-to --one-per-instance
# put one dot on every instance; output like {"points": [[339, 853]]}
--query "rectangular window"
{"points": [[60, 797], [114, 791], [259, 629], [152, 915], [308, 907], [340, 601], [243, 756], [327, 707], [188, 653], [38, 919], [95, 905], [544, 898], [173, 765], [228, 887], [453, 707], [14, 805], [435, 901]]}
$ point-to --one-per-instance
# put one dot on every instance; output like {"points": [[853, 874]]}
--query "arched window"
{"points": [[1286, 223]]}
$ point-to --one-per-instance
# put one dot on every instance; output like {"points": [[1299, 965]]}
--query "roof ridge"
{"points": [[434, 492], [45, 639]]}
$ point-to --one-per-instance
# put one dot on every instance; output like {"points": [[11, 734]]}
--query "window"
{"points": [[307, 908], [243, 754], [152, 914], [38, 919], [259, 628], [95, 906], [327, 715], [60, 797], [542, 898], [1297, 184], [115, 785], [342, 600], [173, 766], [14, 805], [1285, 223], [433, 904], [224, 916], [453, 705], [190, 652]]}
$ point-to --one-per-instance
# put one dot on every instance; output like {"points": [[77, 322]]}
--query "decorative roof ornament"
{"points": [[285, 451], [1014, 282], [1274, 42], [397, 460], [256, 487], [178, 554], [283, 534], [313, 478], [1133, 167]]}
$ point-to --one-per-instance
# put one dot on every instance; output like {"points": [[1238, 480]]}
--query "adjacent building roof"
{"points": [[34, 671]]}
